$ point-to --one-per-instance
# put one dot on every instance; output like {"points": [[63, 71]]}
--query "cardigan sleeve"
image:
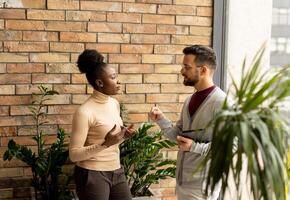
{"points": [[80, 127]]}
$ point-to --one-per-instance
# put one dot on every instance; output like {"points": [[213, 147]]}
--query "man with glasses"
{"points": [[191, 132]]}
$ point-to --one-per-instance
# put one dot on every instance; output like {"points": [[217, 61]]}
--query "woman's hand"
{"points": [[129, 131], [112, 139]]}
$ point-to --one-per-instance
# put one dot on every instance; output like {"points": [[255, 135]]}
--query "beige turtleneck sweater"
{"points": [[91, 122]]}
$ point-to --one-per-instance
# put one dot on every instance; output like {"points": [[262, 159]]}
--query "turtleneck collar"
{"points": [[100, 97]]}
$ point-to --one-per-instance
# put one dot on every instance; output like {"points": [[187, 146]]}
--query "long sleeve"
{"points": [[168, 129], [80, 127]]}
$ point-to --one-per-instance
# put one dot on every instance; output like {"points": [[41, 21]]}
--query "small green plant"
{"points": [[143, 161], [252, 122], [46, 164]]}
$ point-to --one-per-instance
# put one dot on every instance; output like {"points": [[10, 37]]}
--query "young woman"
{"points": [[96, 133]]}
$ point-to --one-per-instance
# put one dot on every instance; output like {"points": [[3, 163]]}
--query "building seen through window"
{"points": [[280, 36]]}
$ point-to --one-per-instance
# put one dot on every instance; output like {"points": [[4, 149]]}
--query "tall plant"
{"points": [[143, 161], [46, 164], [252, 123]]}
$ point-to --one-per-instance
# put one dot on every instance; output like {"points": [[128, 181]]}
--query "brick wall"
{"points": [[40, 41]]}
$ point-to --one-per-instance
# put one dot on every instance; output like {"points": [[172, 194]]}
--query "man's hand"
{"points": [[184, 143], [155, 114]]}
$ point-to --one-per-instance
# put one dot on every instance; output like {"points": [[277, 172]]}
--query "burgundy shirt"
{"points": [[197, 99]]}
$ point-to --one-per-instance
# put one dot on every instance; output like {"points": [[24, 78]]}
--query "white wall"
{"points": [[249, 26]]}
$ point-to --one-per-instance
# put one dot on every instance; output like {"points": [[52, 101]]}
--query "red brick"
{"points": [[194, 20], [77, 37], [135, 108], [10, 35], [191, 40], [70, 89], [58, 99], [170, 107], [1, 24], [79, 98], [85, 16], [62, 68], [142, 88], [6, 193], [20, 110], [104, 27], [158, 19], [26, 46], [168, 69], [25, 68], [201, 31], [150, 39], [3, 68], [153, 98], [79, 78], [104, 48], [15, 78], [11, 172], [155, 58], [101, 6], [204, 11], [12, 14], [160, 78], [63, 4], [45, 15], [59, 119], [15, 100], [8, 131], [49, 57], [194, 2], [172, 29], [31, 130], [63, 109], [168, 49], [136, 68], [65, 26], [135, 118], [155, 1], [13, 57], [50, 78], [124, 58], [4, 110], [25, 4], [7, 89], [128, 48], [12, 163], [139, 8], [131, 98], [176, 10], [124, 17], [139, 28], [113, 38], [126, 78], [66, 47], [24, 25], [29, 88], [176, 88], [40, 36]]}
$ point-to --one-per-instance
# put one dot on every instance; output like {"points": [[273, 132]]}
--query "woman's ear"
{"points": [[99, 83]]}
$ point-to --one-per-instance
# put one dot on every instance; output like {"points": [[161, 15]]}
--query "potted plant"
{"points": [[46, 164], [250, 131], [142, 160]]}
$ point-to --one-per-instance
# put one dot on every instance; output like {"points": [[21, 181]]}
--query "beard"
{"points": [[191, 82]]}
